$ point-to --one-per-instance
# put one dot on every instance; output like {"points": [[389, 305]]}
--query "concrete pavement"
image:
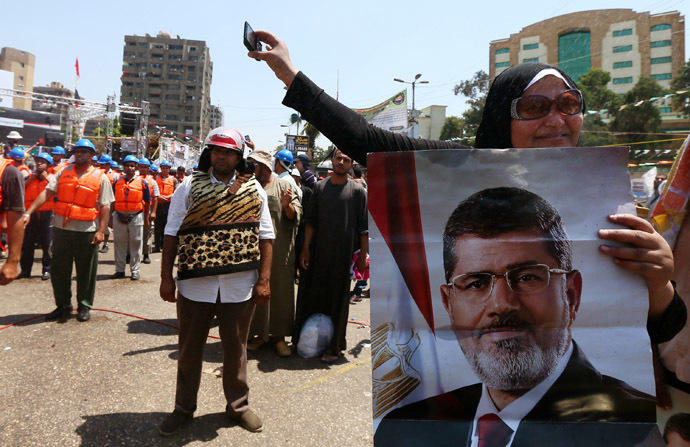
{"points": [[111, 381]]}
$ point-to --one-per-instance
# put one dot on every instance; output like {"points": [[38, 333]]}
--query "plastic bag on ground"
{"points": [[315, 336]]}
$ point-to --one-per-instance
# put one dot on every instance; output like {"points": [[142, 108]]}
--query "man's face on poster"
{"points": [[513, 339]]}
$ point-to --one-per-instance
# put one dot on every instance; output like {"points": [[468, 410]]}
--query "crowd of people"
{"points": [[242, 230]]}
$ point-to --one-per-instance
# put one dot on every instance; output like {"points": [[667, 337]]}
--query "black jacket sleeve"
{"points": [[346, 128], [671, 322]]}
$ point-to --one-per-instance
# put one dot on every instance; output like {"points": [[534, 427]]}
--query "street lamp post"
{"points": [[413, 114]]}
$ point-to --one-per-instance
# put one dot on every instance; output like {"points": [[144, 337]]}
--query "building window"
{"points": [[174, 67], [624, 64], [574, 56], [530, 46], [155, 65], [175, 57], [21, 78], [192, 48], [665, 110], [531, 59], [661, 76], [174, 87], [661, 27], [191, 68], [191, 78], [502, 64], [22, 64], [660, 43], [129, 54], [172, 97], [622, 49], [174, 47], [627, 80], [171, 117], [661, 60], [503, 51], [622, 32], [193, 58], [174, 77]]}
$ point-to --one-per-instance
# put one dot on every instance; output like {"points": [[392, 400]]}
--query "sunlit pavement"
{"points": [[111, 381]]}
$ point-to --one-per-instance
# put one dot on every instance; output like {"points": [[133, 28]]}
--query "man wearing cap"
{"points": [[131, 210], [11, 208], [166, 187], [220, 231], [302, 164], [79, 221], [144, 168], [38, 230], [12, 141], [273, 321]]}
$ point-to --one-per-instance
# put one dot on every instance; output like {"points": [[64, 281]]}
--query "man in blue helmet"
{"points": [[79, 222], [167, 184], [130, 211], [38, 231], [11, 207], [58, 154], [105, 164], [282, 168], [144, 169]]}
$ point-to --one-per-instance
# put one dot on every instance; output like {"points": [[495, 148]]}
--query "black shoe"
{"points": [[83, 314], [146, 260], [103, 249], [173, 422], [155, 250], [24, 275], [45, 276], [118, 275], [366, 293], [59, 312], [135, 276]]}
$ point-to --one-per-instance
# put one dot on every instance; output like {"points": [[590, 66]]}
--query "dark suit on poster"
{"points": [[582, 408]]}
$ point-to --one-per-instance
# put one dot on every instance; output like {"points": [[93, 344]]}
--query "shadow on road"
{"points": [[16, 319], [141, 429]]}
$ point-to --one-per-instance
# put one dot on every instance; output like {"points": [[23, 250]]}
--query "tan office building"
{"points": [[22, 64], [174, 75], [623, 42]]}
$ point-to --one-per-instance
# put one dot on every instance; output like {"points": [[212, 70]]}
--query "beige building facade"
{"points": [[22, 64], [175, 76], [625, 43]]}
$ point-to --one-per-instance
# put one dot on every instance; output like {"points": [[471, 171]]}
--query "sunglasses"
{"points": [[532, 107]]}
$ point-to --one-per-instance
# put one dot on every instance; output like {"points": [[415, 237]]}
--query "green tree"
{"points": [[682, 83], [311, 132], [641, 119], [318, 155], [452, 128], [597, 95], [475, 90], [595, 132]]}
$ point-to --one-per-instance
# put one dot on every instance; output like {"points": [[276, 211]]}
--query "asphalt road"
{"points": [[111, 381]]}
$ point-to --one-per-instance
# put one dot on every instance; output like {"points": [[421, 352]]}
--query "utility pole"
{"points": [[110, 108]]}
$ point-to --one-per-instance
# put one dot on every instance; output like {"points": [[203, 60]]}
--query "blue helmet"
{"points": [[285, 155], [46, 156], [144, 161], [166, 163], [130, 158], [114, 165], [94, 158], [154, 168], [58, 150], [105, 158], [85, 142], [17, 154], [196, 166]]}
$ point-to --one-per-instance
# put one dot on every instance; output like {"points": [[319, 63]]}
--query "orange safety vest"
{"points": [[77, 197], [57, 168], [166, 186], [129, 196], [24, 168], [32, 190], [4, 162], [112, 177], [150, 180]]}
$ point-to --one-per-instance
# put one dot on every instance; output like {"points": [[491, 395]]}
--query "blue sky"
{"points": [[364, 43]]}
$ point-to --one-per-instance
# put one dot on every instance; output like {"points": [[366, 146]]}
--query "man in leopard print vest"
{"points": [[219, 229]]}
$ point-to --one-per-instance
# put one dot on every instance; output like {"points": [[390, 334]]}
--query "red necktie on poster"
{"points": [[493, 432]]}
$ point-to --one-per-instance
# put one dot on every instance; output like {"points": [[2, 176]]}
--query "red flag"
{"points": [[394, 205], [77, 67]]}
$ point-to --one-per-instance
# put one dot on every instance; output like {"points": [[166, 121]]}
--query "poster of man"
{"points": [[498, 321]]}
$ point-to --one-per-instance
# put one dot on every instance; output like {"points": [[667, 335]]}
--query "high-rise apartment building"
{"points": [[22, 64], [174, 75], [625, 43], [216, 117]]}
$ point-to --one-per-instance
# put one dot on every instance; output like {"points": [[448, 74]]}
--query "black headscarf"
{"points": [[494, 130]]}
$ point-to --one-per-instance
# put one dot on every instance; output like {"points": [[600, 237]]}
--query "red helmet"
{"points": [[225, 137]]}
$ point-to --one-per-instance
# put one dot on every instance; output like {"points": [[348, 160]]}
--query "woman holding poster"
{"points": [[531, 105]]}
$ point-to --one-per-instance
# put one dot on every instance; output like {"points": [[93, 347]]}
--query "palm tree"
{"points": [[312, 132]]}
